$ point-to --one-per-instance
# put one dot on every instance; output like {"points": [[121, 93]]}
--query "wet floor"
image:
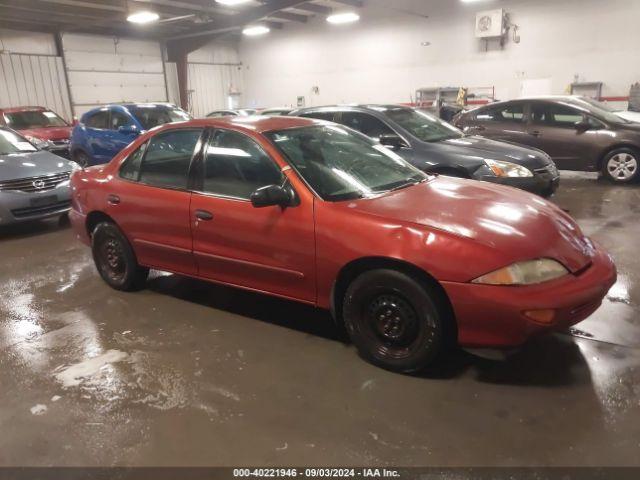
{"points": [[186, 373]]}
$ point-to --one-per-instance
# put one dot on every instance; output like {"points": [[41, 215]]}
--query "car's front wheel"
{"points": [[396, 321], [80, 158], [115, 260], [622, 165]]}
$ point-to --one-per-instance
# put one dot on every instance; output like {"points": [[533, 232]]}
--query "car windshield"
{"points": [[153, 115], [422, 125], [599, 109], [11, 142], [340, 164], [33, 119]]}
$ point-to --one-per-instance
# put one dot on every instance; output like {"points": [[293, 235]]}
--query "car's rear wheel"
{"points": [[396, 321], [80, 158], [115, 260], [622, 165]]}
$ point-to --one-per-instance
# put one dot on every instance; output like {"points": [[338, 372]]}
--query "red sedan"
{"points": [[317, 213], [41, 126]]}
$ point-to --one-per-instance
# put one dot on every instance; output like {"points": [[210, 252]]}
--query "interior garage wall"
{"points": [[104, 70], [215, 73], [31, 73], [382, 58]]}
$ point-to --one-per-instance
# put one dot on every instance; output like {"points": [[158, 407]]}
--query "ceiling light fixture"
{"points": [[341, 18], [143, 17], [256, 30]]}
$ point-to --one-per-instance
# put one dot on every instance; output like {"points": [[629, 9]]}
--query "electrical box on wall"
{"points": [[491, 24]]}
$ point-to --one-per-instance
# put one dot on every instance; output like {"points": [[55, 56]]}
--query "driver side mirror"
{"points": [[128, 130], [271, 196], [392, 141], [584, 125]]}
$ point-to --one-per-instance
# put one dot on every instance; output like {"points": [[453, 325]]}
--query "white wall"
{"points": [[15, 41], [108, 70], [214, 73], [381, 59]]}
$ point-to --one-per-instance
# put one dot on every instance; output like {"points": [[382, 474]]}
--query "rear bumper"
{"points": [[79, 224], [17, 207], [492, 316]]}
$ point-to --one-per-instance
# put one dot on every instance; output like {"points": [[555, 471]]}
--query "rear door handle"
{"points": [[535, 133], [113, 200], [204, 215]]}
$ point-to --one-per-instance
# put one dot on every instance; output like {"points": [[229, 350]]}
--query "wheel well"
{"points": [[611, 149], [94, 218], [356, 268]]}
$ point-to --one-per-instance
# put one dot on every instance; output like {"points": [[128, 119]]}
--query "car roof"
{"points": [[549, 98], [24, 109], [255, 123], [375, 108]]}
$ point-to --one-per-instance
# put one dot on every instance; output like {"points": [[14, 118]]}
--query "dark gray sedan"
{"points": [[34, 184], [435, 146]]}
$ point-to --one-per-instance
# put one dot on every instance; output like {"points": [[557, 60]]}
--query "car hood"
{"points": [[517, 224], [27, 165], [478, 149], [50, 133]]}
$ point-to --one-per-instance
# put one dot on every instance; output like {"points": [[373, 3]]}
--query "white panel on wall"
{"points": [[105, 70], [18, 41], [34, 80], [210, 85], [173, 87]]}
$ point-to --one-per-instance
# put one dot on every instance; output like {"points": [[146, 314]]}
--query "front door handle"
{"points": [[113, 200], [535, 133], [204, 215]]}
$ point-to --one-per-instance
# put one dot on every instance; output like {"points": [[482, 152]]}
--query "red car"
{"points": [[41, 126], [315, 212]]}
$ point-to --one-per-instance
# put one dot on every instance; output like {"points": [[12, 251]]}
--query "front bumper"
{"points": [[545, 181], [492, 316], [17, 206]]}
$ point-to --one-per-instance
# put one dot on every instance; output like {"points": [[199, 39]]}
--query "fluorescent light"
{"points": [[232, 3], [143, 16], [256, 30], [346, 17]]}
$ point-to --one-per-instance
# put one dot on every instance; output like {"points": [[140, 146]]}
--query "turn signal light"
{"points": [[543, 317]]}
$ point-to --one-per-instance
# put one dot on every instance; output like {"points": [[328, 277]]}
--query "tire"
{"points": [[115, 260], [395, 321], [622, 166], [80, 158]]}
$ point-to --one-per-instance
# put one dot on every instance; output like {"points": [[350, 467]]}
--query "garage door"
{"points": [[106, 70], [210, 86], [34, 80]]}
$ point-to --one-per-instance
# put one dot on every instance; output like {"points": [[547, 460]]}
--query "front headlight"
{"points": [[74, 166], [508, 169], [38, 142], [525, 273]]}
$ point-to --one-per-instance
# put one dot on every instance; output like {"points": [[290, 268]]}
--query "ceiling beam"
{"points": [[314, 8], [240, 20], [82, 4], [291, 17]]}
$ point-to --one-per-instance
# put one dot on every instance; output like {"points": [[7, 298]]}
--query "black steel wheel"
{"points": [[395, 320], [115, 259]]}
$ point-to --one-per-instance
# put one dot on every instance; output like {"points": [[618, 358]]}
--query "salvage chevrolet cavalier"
{"points": [[315, 212]]}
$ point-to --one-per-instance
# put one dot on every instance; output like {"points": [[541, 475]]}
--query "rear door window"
{"points": [[328, 116], [504, 113], [365, 123], [168, 157]]}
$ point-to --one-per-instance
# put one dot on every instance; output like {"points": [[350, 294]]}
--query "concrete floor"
{"points": [[186, 373]]}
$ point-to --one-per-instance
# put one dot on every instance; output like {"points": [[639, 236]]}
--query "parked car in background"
{"points": [[578, 133], [243, 112], [435, 146], [34, 184], [276, 112], [41, 126], [321, 214], [105, 131], [629, 115]]}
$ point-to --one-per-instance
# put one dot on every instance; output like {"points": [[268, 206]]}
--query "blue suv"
{"points": [[103, 132]]}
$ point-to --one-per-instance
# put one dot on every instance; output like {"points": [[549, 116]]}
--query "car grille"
{"points": [[35, 184], [20, 213]]}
